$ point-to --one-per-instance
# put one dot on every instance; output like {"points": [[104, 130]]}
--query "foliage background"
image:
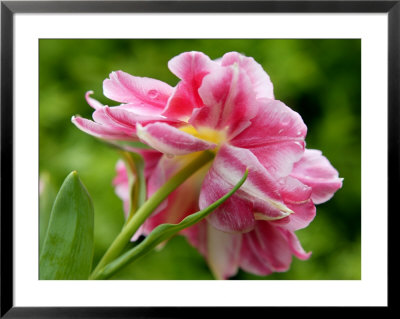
{"points": [[319, 78]]}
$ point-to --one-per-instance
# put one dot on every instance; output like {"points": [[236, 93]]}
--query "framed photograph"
{"points": [[239, 155]]}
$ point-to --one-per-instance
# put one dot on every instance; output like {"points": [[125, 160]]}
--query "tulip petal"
{"points": [[100, 131], [250, 261], [182, 102], [303, 215], [101, 116], [260, 192], [295, 245], [129, 119], [125, 88], [235, 215], [276, 137], [223, 251], [121, 184], [124, 118], [170, 140], [296, 197], [259, 78], [314, 170], [229, 101], [92, 102], [265, 249], [190, 67], [293, 191]]}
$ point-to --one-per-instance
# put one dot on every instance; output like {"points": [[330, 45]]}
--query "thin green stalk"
{"points": [[135, 169], [148, 207]]}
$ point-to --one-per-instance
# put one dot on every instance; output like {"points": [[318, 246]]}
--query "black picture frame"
{"points": [[9, 8]]}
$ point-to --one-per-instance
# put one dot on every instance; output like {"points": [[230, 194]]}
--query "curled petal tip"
{"points": [[91, 101], [305, 256], [261, 216]]}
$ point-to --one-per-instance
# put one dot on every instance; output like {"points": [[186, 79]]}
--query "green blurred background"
{"points": [[320, 79]]}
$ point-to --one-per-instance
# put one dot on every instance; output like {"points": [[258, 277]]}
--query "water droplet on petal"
{"points": [[285, 121], [298, 133], [280, 131], [299, 144], [153, 94]]}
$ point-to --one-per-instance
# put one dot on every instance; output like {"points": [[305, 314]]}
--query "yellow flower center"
{"points": [[206, 134]]}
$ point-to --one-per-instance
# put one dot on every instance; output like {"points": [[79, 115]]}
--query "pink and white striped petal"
{"points": [[141, 91], [259, 78], [101, 131], [314, 170], [182, 102], [295, 245], [235, 214], [121, 184], [229, 101], [297, 197], [101, 116], [128, 118], [170, 140], [223, 252], [265, 250], [303, 215], [250, 261], [275, 137], [258, 197], [293, 191], [190, 67], [92, 102]]}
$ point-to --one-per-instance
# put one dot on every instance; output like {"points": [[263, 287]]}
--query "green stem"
{"points": [[148, 207], [135, 166]]}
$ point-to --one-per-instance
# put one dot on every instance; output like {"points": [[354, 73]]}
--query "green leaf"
{"points": [[162, 233], [67, 251], [47, 194]]}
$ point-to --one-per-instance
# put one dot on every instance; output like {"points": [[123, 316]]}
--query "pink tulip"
{"points": [[226, 106]]}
